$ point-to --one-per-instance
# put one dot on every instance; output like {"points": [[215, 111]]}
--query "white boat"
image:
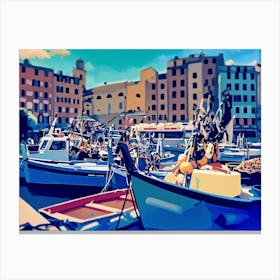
{"points": [[76, 173]]}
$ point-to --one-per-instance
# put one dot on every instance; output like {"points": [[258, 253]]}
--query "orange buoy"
{"points": [[203, 161], [181, 158], [186, 168]]}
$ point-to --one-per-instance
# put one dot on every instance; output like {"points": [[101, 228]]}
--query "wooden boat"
{"points": [[211, 200], [111, 210], [67, 173]]}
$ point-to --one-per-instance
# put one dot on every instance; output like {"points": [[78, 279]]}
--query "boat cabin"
{"points": [[51, 147]]}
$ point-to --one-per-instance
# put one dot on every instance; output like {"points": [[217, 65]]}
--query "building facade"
{"points": [[47, 94], [243, 84], [36, 91]]}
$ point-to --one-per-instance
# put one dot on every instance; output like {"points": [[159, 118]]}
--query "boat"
{"points": [[112, 210], [210, 200], [70, 173]]}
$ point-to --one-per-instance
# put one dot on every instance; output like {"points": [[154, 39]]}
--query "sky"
{"points": [[119, 65]]}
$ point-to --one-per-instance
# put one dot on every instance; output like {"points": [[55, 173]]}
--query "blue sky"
{"points": [[117, 65]]}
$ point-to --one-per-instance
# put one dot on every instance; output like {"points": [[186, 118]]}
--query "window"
{"points": [[236, 75], [46, 95], [229, 86], [182, 71], [23, 69], [237, 110], [22, 104], [67, 90], [237, 98], [252, 76], [174, 83], [245, 121], [253, 121], [120, 105], [182, 117], [244, 76], [23, 92], [182, 106], [76, 91], [194, 96], [57, 99], [174, 118], [46, 73], [138, 95], [154, 117], [43, 145], [244, 87], [245, 98], [182, 83], [162, 86], [206, 82], [76, 111], [214, 60], [35, 83], [237, 121], [23, 81], [35, 107], [253, 99], [58, 145], [162, 107], [210, 71], [162, 96], [36, 72], [173, 94], [228, 75], [67, 110], [109, 95], [67, 79], [120, 94], [205, 61], [252, 87], [173, 72], [45, 108], [174, 106], [46, 85], [238, 68], [154, 107], [194, 85], [78, 101], [153, 97], [236, 87], [253, 110], [182, 93], [76, 81], [36, 94], [153, 86], [194, 75], [59, 109], [245, 110], [74, 100]]}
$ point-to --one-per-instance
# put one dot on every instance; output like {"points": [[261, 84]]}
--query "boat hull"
{"points": [[164, 206]]}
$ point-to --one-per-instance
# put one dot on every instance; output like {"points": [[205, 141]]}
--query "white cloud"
{"points": [[89, 66], [61, 52], [229, 62], [33, 53], [41, 54]]}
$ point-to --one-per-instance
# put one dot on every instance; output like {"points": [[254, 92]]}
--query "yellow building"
{"points": [[109, 99]]}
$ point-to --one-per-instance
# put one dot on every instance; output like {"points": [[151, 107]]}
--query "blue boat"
{"points": [[167, 206]]}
